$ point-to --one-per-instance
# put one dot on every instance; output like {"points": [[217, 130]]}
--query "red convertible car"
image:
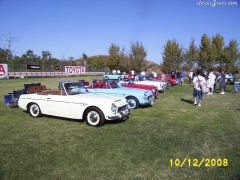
{"points": [[172, 81], [154, 89]]}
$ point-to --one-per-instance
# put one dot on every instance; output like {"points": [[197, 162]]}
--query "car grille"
{"points": [[122, 108], [150, 97]]}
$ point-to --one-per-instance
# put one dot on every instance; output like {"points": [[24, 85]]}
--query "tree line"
{"points": [[212, 52]]}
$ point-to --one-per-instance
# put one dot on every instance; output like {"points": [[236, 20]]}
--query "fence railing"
{"points": [[48, 74]]}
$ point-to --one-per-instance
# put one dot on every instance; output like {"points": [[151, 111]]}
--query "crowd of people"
{"points": [[205, 83]]}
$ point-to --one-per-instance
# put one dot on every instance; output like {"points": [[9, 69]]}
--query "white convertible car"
{"points": [[69, 103]]}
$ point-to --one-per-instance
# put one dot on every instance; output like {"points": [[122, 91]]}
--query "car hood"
{"points": [[99, 98], [121, 90]]}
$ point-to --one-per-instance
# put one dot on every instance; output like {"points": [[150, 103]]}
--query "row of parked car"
{"points": [[95, 102]]}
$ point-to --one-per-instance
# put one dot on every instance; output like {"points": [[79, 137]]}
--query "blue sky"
{"points": [[70, 27]]}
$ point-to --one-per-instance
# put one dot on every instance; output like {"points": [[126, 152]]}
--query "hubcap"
{"points": [[34, 110], [131, 103], [93, 117]]}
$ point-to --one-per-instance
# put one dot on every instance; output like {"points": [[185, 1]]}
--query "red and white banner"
{"points": [[3, 70], [71, 70], [49, 74]]}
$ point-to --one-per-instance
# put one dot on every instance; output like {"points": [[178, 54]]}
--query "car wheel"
{"points": [[169, 85], [132, 102], [94, 117], [34, 110]]}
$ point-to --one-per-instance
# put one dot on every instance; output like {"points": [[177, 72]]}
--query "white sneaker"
{"points": [[208, 93], [195, 103], [222, 93], [199, 105]]}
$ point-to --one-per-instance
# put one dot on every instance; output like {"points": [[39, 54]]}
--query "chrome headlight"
{"points": [[114, 108]]}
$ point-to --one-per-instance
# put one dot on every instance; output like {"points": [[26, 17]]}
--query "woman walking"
{"points": [[198, 83]]}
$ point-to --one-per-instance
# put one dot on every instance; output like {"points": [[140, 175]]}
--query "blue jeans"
{"points": [[223, 86], [236, 86], [198, 94]]}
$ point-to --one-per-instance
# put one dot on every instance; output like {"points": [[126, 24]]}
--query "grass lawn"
{"points": [[140, 148]]}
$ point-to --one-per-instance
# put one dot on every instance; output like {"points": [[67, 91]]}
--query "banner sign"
{"points": [[3, 70], [48, 74], [70, 70], [36, 67]]}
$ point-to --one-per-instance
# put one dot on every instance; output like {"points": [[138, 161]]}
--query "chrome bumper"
{"points": [[123, 115]]}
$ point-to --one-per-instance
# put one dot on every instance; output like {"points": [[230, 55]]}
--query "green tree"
{"points": [[125, 62], [46, 55], [138, 54], [218, 49], [30, 54], [97, 63], [172, 56], [46, 60], [4, 55], [232, 54], [114, 57], [205, 53], [192, 54], [29, 57]]}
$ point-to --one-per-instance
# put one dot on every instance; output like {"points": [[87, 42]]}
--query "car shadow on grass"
{"points": [[145, 106], [56, 118], [187, 101]]}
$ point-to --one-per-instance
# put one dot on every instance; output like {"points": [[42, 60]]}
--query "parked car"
{"points": [[130, 84], [135, 97], [113, 76], [144, 80], [73, 100], [172, 81], [230, 78], [11, 99]]}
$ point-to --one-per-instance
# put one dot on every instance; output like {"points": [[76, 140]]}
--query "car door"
{"points": [[65, 106]]}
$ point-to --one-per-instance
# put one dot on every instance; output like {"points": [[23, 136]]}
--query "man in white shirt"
{"points": [[132, 72], [143, 73], [190, 76], [212, 79], [154, 74], [198, 83]]}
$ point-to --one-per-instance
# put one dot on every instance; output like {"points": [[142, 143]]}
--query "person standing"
{"points": [[177, 74], [212, 79], [236, 80], [154, 74], [132, 72], [143, 73], [190, 76], [182, 76], [198, 83], [223, 82]]}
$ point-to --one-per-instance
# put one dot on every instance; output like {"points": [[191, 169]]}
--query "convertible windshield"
{"points": [[75, 88]]}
